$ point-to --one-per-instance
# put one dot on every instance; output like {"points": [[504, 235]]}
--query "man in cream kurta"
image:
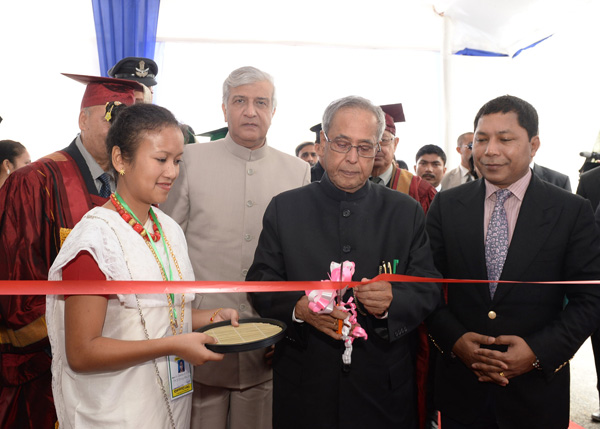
{"points": [[219, 200]]}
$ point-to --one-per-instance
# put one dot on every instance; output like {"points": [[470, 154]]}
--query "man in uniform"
{"points": [[41, 203], [386, 172], [141, 70], [219, 200], [350, 219]]}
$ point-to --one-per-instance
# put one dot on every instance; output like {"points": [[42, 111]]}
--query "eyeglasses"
{"points": [[386, 142], [364, 150], [469, 146]]}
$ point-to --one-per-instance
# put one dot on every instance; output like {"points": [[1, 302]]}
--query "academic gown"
{"points": [[312, 389], [38, 201]]}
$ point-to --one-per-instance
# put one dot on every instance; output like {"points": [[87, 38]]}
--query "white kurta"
{"points": [[130, 397]]}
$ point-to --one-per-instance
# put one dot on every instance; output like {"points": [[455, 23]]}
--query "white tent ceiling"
{"points": [[387, 50]]}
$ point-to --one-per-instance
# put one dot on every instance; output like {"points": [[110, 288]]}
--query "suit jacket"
{"points": [[552, 176], [554, 239], [311, 387], [316, 172], [219, 200], [589, 186], [451, 179]]}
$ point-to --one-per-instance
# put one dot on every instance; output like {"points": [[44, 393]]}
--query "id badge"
{"points": [[180, 375]]}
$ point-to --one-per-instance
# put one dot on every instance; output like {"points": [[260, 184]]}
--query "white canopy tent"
{"points": [[386, 50]]}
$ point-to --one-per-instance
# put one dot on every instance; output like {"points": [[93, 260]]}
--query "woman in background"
{"points": [[13, 155]]}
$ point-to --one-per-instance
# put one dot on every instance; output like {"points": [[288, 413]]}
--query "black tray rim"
{"points": [[244, 347]]}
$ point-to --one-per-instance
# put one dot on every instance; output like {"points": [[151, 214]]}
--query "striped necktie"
{"points": [[105, 188]]}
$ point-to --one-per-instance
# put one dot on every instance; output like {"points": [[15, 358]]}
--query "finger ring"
{"points": [[501, 374]]}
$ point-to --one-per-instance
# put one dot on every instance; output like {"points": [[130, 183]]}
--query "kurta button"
{"points": [[244, 272], [492, 315], [250, 172], [249, 203], [247, 237], [347, 248], [346, 213]]}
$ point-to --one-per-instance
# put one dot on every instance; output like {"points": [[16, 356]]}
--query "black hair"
{"points": [[132, 123], [526, 113], [431, 148], [10, 149]]}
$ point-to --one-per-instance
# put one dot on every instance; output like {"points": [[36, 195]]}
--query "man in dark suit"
{"points": [[552, 176], [589, 186], [349, 219], [506, 346]]}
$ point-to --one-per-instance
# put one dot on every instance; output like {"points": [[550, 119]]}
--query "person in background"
{"points": [[431, 164], [505, 346], [306, 151], [387, 173], [107, 349], [41, 203], [589, 188], [219, 200], [317, 170], [462, 173], [137, 69], [13, 155], [551, 176]]}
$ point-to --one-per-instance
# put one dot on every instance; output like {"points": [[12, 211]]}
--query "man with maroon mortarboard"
{"points": [[387, 173], [41, 203]]}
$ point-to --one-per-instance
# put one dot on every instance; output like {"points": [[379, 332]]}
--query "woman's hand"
{"points": [[227, 314]]}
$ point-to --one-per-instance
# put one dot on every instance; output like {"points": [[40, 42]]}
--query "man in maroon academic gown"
{"points": [[41, 203], [387, 173]]}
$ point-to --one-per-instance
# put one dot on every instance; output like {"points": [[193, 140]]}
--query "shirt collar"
{"points": [[517, 188], [243, 152], [386, 175], [93, 166], [337, 194]]}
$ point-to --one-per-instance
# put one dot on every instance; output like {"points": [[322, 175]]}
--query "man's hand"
{"points": [[375, 297], [516, 360], [326, 323], [467, 348]]}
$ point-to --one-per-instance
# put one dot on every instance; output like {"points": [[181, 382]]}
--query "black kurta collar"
{"points": [[337, 194]]}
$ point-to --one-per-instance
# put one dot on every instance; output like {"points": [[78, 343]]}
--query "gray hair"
{"points": [[245, 76], [354, 102]]}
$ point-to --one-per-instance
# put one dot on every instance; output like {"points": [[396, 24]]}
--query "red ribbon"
{"points": [[101, 287]]}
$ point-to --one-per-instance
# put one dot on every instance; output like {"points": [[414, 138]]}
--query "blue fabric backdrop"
{"points": [[124, 28]]}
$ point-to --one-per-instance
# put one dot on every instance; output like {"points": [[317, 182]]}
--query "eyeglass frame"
{"points": [[377, 148]]}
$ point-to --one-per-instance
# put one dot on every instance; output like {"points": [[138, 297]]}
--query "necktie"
{"points": [[105, 188], [376, 180], [469, 177], [496, 242]]}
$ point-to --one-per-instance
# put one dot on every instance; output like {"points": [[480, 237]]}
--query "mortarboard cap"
{"points": [[101, 90], [216, 134], [393, 114], [142, 70], [317, 130]]}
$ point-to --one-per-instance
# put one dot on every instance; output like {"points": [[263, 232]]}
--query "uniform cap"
{"points": [[142, 70]]}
